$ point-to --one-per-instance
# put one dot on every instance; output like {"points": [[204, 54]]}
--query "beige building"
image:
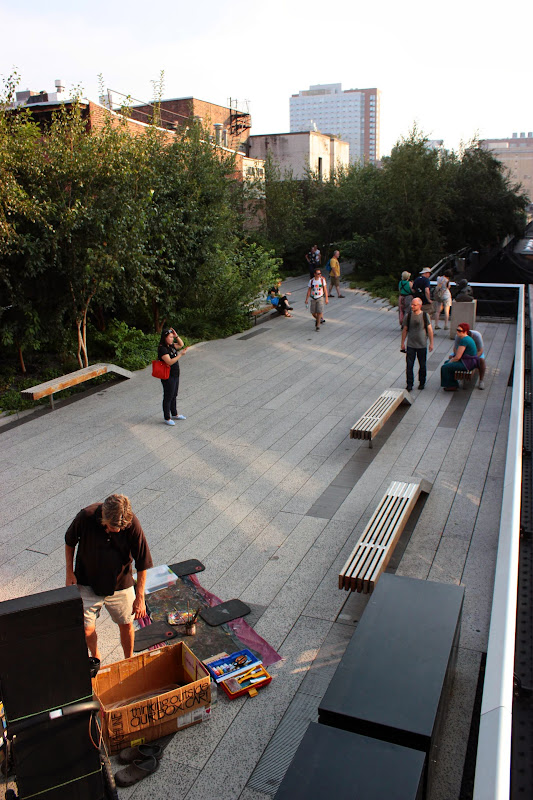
{"points": [[302, 151], [516, 154]]}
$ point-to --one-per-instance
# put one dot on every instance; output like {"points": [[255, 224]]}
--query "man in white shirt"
{"points": [[317, 289]]}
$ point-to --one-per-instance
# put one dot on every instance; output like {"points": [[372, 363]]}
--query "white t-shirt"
{"points": [[317, 287]]}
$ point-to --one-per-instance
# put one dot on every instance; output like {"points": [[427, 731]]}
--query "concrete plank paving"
{"points": [[263, 484]]}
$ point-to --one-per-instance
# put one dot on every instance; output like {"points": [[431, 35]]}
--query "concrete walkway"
{"points": [[252, 484]]}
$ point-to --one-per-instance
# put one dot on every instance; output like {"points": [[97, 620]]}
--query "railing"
{"points": [[493, 764]]}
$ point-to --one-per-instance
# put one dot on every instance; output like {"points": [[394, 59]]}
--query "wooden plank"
{"points": [[73, 379]]}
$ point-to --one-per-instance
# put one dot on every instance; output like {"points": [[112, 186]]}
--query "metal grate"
{"points": [[280, 751]]}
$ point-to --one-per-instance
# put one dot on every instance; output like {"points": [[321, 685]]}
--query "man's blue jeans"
{"points": [[414, 353]]}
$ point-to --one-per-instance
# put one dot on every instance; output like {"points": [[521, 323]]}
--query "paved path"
{"points": [[250, 485]]}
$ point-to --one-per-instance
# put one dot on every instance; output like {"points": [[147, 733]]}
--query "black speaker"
{"points": [[44, 666]]}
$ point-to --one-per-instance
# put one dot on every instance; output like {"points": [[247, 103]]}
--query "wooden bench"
{"points": [[256, 313], [372, 421], [465, 375], [49, 388], [376, 544]]}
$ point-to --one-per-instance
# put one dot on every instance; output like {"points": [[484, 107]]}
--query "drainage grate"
{"points": [[253, 333], [280, 751]]}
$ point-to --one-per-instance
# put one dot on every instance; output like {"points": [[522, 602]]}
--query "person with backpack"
{"points": [[442, 299], [416, 331], [334, 269], [421, 289], [405, 296], [317, 289]]}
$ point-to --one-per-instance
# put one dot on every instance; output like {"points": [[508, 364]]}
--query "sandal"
{"points": [[136, 771], [141, 752]]}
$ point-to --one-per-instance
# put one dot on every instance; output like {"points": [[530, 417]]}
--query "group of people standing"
{"points": [[415, 307], [421, 288]]}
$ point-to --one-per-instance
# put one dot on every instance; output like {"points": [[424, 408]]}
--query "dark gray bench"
{"points": [[394, 678], [331, 763]]}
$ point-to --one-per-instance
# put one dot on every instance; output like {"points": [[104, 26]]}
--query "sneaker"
{"points": [[421, 386], [481, 385], [322, 321], [178, 416], [409, 388], [437, 327], [169, 422], [341, 296]]}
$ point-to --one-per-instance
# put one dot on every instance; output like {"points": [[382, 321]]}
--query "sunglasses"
{"points": [[165, 333]]}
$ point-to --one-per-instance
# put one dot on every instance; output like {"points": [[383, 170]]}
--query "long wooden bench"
{"points": [[256, 313], [49, 388], [376, 544], [372, 421]]}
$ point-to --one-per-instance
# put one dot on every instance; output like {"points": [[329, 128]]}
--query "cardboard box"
{"points": [[141, 700]]}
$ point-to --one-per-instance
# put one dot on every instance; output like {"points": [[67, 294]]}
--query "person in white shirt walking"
{"points": [[317, 289]]}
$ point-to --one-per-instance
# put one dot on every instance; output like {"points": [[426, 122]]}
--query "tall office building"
{"points": [[352, 115]]}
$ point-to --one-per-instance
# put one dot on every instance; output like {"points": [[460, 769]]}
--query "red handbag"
{"points": [[160, 370]]}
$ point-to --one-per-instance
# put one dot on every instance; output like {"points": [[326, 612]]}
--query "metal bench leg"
{"points": [[52, 401]]}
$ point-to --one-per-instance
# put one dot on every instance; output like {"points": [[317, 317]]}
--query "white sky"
{"points": [[458, 68]]}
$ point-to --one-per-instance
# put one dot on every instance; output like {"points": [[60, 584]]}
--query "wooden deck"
{"points": [[234, 486]]}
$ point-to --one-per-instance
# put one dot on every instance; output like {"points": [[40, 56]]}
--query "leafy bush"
{"points": [[126, 347]]}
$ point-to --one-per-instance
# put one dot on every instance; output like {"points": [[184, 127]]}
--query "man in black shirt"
{"points": [[108, 537]]}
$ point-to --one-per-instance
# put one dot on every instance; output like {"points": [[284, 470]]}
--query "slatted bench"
{"points": [[49, 388], [465, 375], [376, 544], [256, 313], [372, 421]]}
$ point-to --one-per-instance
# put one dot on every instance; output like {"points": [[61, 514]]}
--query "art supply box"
{"points": [[151, 695], [233, 665], [236, 687]]}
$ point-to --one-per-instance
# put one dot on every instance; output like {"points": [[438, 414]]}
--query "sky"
{"points": [[457, 70]]}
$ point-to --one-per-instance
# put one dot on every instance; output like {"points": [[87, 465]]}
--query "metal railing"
{"points": [[493, 763]]}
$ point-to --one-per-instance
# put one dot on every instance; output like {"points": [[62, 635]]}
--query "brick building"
{"points": [[227, 126], [230, 128]]}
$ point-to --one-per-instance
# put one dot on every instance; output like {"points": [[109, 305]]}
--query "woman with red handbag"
{"points": [[170, 350]]}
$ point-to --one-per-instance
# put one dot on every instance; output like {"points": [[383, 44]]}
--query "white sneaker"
{"points": [[169, 422], [481, 385], [178, 416]]}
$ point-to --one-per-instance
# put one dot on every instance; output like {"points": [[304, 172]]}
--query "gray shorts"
{"points": [[317, 306], [119, 605]]}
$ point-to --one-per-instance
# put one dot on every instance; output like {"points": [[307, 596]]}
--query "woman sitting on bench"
{"points": [[280, 302], [464, 360]]}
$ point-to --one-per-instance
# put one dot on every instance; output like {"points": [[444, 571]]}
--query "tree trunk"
{"points": [[21, 359], [158, 324]]}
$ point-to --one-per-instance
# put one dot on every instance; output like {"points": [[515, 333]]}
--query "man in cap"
{"points": [[421, 289]]}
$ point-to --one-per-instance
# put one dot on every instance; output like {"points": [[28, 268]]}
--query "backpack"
{"points": [[427, 323], [420, 292], [328, 266]]}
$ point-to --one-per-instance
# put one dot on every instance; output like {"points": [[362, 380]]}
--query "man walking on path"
{"points": [[422, 289], [318, 290], [417, 330], [108, 536], [313, 260], [335, 274]]}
